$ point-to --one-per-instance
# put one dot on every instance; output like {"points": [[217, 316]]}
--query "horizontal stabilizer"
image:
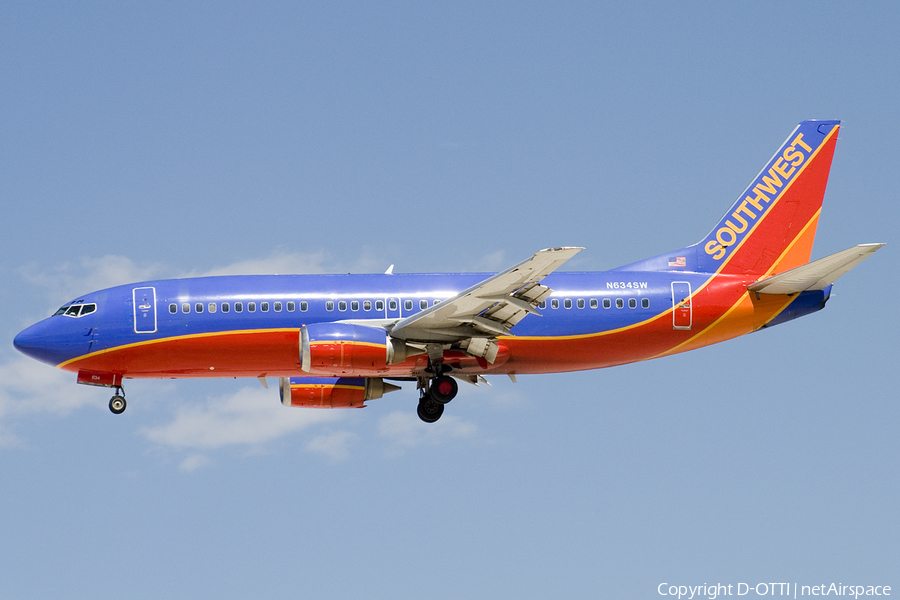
{"points": [[816, 275]]}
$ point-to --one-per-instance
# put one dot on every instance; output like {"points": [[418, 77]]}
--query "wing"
{"points": [[816, 275], [490, 308]]}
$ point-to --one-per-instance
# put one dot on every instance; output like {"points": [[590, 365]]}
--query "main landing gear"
{"points": [[434, 394], [117, 403]]}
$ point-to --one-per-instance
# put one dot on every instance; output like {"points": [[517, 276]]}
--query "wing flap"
{"points": [[816, 275], [489, 308]]}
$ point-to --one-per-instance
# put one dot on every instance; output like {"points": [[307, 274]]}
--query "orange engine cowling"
{"points": [[338, 348], [332, 392]]}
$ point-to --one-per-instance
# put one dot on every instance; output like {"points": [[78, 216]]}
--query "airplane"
{"points": [[338, 341]]}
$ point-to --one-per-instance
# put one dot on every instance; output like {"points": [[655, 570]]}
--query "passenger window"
{"points": [[185, 308], [392, 305], [580, 303], [173, 308], [238, 307], [342, 306], [620, 303], [567, 303], [226, 307], [407, 304], [606, 303], [645, 302], [423, 304], [593, 303], [554, 303], [251, 307], [632, 303], [277, 307], [212, 307], [435, 302], [367, 305], [542, 305], [304, 307], [291, 306], [198, 307], [264, 306], [379, 305], [329, 305], [354, 306]]}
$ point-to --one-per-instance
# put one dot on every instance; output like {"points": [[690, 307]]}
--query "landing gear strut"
{"points": [[117, 403]]}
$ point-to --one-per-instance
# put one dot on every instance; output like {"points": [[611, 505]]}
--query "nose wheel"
{"points": [[117, 403]]}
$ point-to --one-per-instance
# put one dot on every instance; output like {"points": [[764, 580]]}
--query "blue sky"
{"points": [[165, 140]]}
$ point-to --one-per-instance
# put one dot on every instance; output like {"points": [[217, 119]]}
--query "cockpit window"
{"points": [[76, 310]]}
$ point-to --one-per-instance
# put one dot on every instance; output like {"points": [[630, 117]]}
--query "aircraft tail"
{"points": [[772, 225]]}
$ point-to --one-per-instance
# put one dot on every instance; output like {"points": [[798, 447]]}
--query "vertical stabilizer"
{"points": [[772, 225]]}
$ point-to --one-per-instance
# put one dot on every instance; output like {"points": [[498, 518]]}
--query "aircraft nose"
{"points": [[38, 342], [28, 342]]}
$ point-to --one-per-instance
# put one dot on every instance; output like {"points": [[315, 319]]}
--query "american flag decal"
{"points": [[678, 261]]}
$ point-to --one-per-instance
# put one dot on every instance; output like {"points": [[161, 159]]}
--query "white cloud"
{"points": [[193, 462], [334, 446], [494, 261], [278, 263], [406, 431], [66, 281], [249, 417], [27, 387], [506, 397], [8, 439]]}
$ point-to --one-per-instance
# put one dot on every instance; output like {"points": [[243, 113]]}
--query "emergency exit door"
{"points": [[681, 305]]}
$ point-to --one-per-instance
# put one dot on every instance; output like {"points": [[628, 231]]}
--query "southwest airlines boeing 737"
{"points": [[335, 341]]}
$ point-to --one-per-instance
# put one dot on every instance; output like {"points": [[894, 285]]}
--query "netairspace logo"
{"points": [[793, 590]]}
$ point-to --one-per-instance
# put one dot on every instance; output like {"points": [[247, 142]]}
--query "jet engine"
{"points": [[332, 392], [341, 348]]}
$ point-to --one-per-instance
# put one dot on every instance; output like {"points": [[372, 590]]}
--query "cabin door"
{"points": [[144, 299], [681, 305]]}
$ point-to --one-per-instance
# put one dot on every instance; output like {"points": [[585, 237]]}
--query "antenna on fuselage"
{"points": [[390, 270]]}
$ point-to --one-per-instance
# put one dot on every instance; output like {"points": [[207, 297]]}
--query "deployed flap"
{"points": [[489, 308], [816, 275]]}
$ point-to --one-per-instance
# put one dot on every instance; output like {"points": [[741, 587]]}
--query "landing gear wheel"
{"points": [[430, 410], [443, 389], [117, 404]]}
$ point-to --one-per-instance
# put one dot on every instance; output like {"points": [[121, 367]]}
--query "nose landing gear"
{"points": [[117, 403]]}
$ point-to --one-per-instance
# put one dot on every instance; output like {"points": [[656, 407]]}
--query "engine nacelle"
{"points": [[335, 348], [341, 348], [332, 392]]}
